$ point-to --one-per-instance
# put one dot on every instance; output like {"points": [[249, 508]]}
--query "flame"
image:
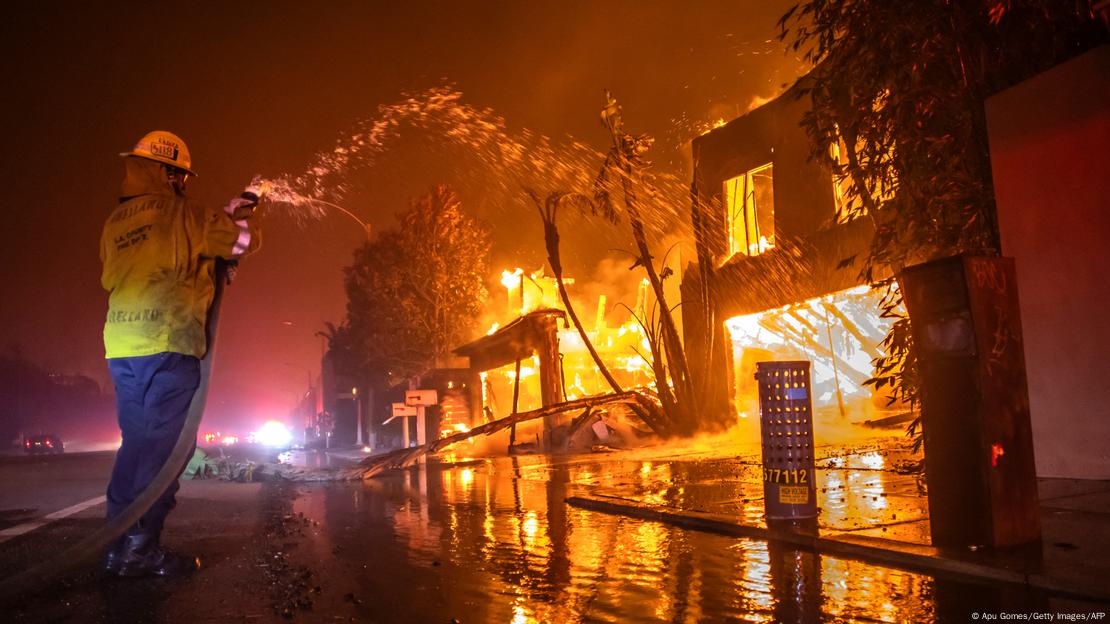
{"points": [[483, 377], [621, 345], [525, 372], [839, 333], [635, 363], [451, 428], [526, 292], [511, 279], [757, 248], [705, 128]]}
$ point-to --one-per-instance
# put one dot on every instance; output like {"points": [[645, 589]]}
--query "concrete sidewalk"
{"points": [[869, 510]]}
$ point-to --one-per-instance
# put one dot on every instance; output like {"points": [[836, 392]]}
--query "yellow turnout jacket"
{"points": [[158, 250]]}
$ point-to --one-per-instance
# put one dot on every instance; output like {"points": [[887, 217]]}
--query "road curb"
{"points": [[902, 555]]}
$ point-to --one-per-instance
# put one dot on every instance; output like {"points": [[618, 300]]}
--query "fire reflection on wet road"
{"points": [[493, 541]]}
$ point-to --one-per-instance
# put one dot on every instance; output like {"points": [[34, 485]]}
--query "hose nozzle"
{"points": [[259, 187]]}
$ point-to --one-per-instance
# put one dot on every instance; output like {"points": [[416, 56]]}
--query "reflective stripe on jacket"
{"points": [[158, 252]]}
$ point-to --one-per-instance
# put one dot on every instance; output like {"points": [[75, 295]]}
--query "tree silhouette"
{"points": [[415, 291]]}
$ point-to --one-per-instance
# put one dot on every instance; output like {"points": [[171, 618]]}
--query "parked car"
{"points": [[45, 443]]}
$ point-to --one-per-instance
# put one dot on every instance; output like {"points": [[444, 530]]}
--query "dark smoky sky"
{"points": [[259, 88]]}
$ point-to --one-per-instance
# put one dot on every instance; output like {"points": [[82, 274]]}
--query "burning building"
{"points": [[771, 234], [771, 231], [771, 283], [537, 359]]}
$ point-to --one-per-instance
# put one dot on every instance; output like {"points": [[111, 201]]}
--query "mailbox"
{"points": [[421, 397], [400, 409]]}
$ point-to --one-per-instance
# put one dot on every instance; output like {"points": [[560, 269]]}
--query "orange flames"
{"points": [[622, 347], [839, 333]]}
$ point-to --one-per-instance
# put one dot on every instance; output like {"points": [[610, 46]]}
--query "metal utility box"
{"points": [[786, 426], [975, 406]]}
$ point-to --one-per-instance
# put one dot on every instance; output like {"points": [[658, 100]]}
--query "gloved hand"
{"points": [[242, 207]]}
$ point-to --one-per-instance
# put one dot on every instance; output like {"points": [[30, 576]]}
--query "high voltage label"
{"points": [[793, 494]]}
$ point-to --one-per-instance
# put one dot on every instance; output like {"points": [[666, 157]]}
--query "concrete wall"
{"points": [[1050, 154]]}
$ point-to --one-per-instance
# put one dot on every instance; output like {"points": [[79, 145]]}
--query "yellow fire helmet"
{"points": [[164, 147]]}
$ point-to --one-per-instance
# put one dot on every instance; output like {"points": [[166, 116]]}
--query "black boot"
{"points": [[142, 555], [112, 555]]}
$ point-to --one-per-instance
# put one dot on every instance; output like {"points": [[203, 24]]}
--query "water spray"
{"points": [[493, 161], [281, 191]]}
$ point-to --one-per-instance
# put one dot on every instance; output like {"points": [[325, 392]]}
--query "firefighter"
{"points": [[159, 251]]}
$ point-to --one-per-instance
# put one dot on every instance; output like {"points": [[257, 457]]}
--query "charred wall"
{"points": [[805, 262], [770, 133], [794, 272]]}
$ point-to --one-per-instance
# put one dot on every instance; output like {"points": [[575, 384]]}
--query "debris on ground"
{"points": [[206, 466], [292, 586], [641, 405], [606, 422]]}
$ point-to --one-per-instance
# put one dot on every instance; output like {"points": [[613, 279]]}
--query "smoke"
{"points": [[612, 279]]}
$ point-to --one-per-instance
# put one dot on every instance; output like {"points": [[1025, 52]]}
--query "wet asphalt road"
{"points": [[477, 541], [35, 484]]}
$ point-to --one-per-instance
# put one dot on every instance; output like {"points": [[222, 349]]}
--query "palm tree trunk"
{"points": [[551, 241]]}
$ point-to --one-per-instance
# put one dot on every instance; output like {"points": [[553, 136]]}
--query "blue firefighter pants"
{"points": [[152, 396]]}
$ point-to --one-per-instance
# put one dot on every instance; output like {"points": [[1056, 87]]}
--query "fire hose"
{"points": [[95, 544]]}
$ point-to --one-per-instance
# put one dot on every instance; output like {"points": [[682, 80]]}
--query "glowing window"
{"points": [[749, 201]]}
